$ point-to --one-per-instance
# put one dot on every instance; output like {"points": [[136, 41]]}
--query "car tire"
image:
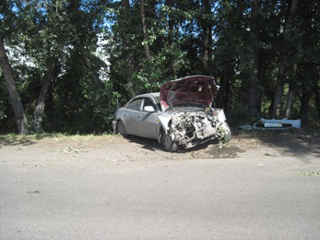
{"points": [[168, 144], [227, 132], [121, 129]]}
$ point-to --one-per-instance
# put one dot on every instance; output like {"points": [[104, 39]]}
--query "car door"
{"points": [[146, 123], [131, 115]]}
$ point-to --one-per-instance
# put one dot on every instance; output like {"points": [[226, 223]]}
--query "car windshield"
{"points": [[158, 101]]}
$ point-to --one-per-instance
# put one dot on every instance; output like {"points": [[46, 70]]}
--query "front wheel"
{"points": [[226, 132], [168, 144]]}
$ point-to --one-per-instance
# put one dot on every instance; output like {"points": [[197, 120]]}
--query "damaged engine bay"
{"points": [[189, 128]]}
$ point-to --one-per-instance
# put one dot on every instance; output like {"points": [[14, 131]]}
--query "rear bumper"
{"points": [[277, 124]]}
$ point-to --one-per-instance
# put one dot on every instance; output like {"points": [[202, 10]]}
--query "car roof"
{"points": [[191, 77], [154, 94]]}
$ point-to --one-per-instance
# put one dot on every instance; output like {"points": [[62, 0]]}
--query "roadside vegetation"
{"points": [[66, 66]]}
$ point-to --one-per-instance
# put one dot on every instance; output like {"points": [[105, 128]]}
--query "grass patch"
{"points": [[312, 174]]}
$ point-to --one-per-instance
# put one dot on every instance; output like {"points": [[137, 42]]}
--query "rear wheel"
{"points": [[168, 144], [121, 129]]}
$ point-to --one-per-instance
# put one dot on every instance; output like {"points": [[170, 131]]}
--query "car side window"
{"points": [[135, 104], [148, 102]]}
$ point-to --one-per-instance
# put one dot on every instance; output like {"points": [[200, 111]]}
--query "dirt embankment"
{"points": [[114, 148]]}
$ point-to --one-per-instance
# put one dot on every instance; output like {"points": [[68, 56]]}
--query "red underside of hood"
{"points": [[194, 89]]}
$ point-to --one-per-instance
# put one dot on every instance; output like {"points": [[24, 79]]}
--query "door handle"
{"points": [[139, 116]]}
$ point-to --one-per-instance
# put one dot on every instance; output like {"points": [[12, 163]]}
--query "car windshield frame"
{"points": [[186, 105]]}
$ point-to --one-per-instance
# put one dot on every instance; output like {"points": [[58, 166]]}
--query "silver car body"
{"points": [[187, 124], [136, 118]]}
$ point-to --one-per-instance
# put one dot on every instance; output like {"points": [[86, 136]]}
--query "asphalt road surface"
{"points": [[240, 198]]}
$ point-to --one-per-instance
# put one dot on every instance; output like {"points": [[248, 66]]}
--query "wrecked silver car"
{"points": [[179, 115]]}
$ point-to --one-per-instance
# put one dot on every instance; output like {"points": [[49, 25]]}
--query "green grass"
{"points": [[312, 174]]}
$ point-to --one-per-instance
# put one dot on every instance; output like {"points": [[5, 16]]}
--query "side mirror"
{"points": [[149, 109]]}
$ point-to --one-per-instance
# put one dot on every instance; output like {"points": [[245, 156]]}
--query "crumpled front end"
{"points": [[189, 129]]}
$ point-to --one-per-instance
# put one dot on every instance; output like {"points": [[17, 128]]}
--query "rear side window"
{"points": [[135, 104]]}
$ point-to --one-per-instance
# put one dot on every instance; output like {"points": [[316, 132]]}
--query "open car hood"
{"points": [[196, 89]]}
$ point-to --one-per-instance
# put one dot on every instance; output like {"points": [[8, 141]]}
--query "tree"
{"points": [[8, 24], [254, 104], [127, 35], [84, 51], [144, 29], [14, 96], [206, 23], [39, 110], [260, 53], [286, 36]]}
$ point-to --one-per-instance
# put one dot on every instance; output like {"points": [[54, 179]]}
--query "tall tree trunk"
{"points": [[290, 100], [304, 111], [207, 38], [222, 92], [317, 95], [253, 93], [276, 111], [95, 77], [253, 97], [127, 45], [291, 93], [292, 86], [144, 29], [222, 98], [39, 111], [14, 96], [171, 22], [145, 41]]}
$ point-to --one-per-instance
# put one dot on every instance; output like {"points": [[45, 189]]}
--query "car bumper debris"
{"points": [[283, 123]]}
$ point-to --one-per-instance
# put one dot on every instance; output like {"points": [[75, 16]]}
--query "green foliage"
{"points": [[311, 174], [44, 32]]}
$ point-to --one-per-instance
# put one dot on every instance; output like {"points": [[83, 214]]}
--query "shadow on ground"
{"points": [[294, 142], [210, 149], [290, 143], [152, 145], [24, 140]]}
